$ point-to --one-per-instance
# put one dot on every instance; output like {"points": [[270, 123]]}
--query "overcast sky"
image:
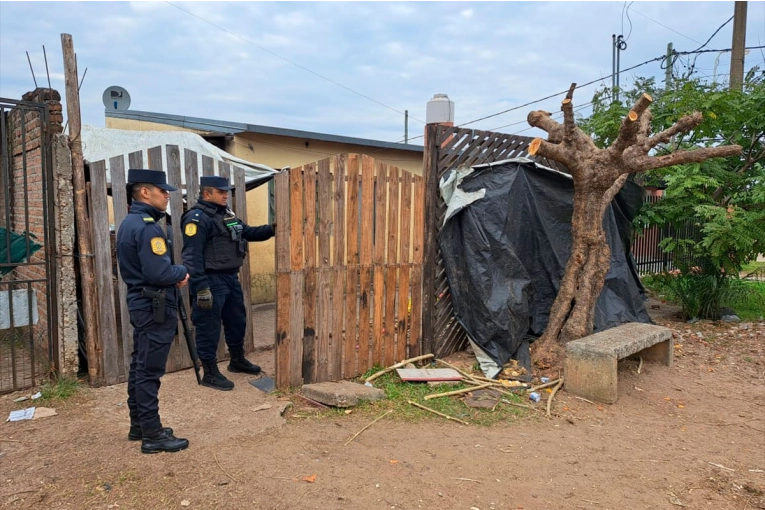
{"points": [[353, 68]]}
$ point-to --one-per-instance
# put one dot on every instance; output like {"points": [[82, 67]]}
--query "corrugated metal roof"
{"points": [[238, 127]]}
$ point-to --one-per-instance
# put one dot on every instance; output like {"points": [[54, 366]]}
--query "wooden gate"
{"points": [[115, 334], [447, 148], [349, 268]]}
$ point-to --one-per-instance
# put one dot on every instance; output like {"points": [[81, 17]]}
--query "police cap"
{"points": [[214, 181], [155, 177]]}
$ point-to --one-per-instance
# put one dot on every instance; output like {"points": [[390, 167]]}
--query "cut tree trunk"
{"points": [[598, 176]]}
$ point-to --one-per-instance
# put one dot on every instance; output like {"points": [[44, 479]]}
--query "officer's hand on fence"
{"points": [[183, 282], [273, 227], [205, 299]]}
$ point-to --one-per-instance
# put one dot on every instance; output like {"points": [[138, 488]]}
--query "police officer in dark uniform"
{"points": [[214, 248], [152, 282]]}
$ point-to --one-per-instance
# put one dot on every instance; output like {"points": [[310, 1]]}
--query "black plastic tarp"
{"points": [[505, 255]]}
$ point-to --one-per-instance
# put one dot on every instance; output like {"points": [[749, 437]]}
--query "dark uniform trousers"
{"points": [[151, 345], [228, 307]]}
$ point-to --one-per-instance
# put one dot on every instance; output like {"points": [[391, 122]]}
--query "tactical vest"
{"points": [[225, 249]]}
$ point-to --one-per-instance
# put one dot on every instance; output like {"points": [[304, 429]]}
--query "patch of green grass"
{"points": [[399, 394], [750, 305], [59, 389]]}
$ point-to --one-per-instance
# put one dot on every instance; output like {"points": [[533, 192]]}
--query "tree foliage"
{"points": [[724, 197]]}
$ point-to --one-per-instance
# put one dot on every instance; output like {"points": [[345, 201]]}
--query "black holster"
{"points": [[158, 303]]}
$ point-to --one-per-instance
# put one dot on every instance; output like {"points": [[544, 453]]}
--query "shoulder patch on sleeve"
{"points": [[158, 246], [191, 229]]}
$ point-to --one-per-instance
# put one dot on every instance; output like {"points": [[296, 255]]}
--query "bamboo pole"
{"points": [[415, 404], [82, 220]]}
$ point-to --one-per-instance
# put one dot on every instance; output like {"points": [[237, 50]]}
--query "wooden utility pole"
{"points": [[82, 219], [739, 43]]}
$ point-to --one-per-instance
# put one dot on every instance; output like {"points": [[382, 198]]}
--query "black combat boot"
{"points": [[214, 379], [241, 364], [162, 441], [136, 434]]}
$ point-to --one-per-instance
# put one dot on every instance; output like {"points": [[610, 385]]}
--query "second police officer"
{"points": [[214, 248]]}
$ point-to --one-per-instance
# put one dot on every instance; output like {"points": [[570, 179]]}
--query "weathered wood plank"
{"points": [[135, 159], [296, 327], [365, 274], [391, 263], [417, 342], [350, 343], [240, 208], [297, 263], [324, 367], [380, 207], [283, 338], [338, 264], [283, 230], [178, 357], [107, 319], [224, 170], [208, 166], [310, 358], [119, 202], [191, 164], [427, 226], [155, 158], [404, 258]]}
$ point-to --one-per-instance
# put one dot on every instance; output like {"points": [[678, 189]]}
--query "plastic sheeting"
{"points": [[505, 246]]}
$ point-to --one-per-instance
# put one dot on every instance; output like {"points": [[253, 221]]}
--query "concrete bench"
{"points": [[590, 369]]}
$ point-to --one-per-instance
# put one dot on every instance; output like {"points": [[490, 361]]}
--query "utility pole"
{"points": [[82, 219], [668, 64], [619, 45], [739, 43], [406, 126]]}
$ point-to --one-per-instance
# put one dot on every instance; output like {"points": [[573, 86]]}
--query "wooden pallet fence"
{"points": [[115, 340], [349, 268]]}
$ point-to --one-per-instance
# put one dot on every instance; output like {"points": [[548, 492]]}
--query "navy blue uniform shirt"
{"points": [[143, 254], [194, 245]]}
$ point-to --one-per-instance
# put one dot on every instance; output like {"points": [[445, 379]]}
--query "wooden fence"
{"points": [[114, 344], [349, 268]]}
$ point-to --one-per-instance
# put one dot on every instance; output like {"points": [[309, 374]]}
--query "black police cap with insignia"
{"points": [[214, 181], [140, 175], [155, 177]]}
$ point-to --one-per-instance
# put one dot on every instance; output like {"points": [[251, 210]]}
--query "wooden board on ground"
{"points": [[428, 374]]}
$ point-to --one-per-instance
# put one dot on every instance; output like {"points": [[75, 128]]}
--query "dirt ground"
{"points": [[690, 436]]}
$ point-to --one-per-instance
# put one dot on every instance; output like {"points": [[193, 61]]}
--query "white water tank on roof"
{"points": [[440, 110]]}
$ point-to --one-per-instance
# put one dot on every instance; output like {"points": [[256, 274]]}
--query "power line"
{"points": [[291, 62], [656, 59], [665, 26]]}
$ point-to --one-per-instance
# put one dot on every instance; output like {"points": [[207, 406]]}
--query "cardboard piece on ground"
{"points": [[264, 384], [428, 374], [44, 412]]}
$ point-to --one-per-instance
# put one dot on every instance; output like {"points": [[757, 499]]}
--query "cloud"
{"points": [[488, 56]]}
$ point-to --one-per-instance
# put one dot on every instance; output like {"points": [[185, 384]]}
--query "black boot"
{"points": [[163, 441], [136, 434], [214, 379], [241, 364]]}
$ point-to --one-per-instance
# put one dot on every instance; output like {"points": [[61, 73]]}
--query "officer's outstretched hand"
{"points": [[205, 299], [183, 282]]}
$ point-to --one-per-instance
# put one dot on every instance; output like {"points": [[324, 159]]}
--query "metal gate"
{"points": [[28, 321]]}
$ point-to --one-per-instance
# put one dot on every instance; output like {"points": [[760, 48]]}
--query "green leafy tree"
{"points": [[723, 198]]}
